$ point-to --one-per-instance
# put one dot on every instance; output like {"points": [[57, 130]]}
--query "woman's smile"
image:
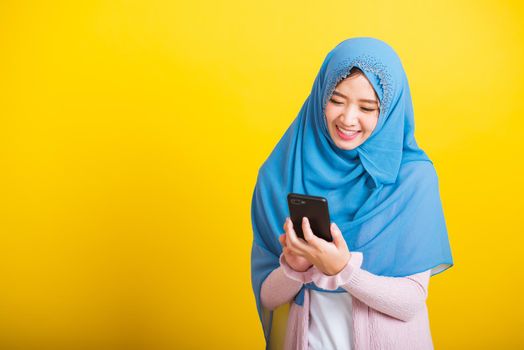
{"points": [[347, 135]]}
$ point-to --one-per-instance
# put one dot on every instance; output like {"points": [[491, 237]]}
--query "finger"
{"points": [[285, 222], [282, 239], [338, 239], [294, 252], [288, 224], [293, 240], [309, 236]]}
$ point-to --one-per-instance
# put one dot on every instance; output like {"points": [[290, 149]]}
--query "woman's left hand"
{"points": [[329, 257]]}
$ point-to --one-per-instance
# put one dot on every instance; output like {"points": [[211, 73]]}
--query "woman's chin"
{"points": [[347, 147]]}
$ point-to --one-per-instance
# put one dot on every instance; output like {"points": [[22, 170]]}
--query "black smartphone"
{"points": [[315, 209]]}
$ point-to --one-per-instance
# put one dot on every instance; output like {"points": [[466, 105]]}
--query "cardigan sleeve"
{"points": [[398, 297], [282, 284]]}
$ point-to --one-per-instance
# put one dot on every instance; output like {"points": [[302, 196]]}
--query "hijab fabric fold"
{"points": [[383, 195]]}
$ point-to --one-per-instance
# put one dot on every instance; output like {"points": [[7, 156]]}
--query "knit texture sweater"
{"points": [[389, 313]]}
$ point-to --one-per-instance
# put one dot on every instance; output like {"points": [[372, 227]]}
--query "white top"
{"points": [[330, 321]]}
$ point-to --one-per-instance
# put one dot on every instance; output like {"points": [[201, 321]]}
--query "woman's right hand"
{"points": [[297, 263]]}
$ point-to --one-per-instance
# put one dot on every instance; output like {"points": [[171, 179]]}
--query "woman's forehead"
{"points": [[356, 87]]}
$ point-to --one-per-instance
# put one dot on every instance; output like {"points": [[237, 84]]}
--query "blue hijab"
{"points": [[383, 195]]}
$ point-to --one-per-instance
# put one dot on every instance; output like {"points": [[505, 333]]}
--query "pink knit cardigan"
{"points": [[388, 312]]}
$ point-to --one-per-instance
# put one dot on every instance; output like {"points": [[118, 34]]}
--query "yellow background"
{"points": [[132, 133]]}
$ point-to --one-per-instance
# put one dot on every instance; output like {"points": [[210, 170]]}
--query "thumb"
{"points": [[337, 235]]}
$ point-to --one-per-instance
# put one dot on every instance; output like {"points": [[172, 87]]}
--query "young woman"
{"points": [[352, 143]]}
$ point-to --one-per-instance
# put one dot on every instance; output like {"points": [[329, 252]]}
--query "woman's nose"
{"points": [[350, 117]]}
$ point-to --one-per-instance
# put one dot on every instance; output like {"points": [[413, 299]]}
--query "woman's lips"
{"points": [[346, 137]]}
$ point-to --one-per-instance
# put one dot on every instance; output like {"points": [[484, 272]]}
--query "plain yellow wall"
{"points": [[132, 133]]}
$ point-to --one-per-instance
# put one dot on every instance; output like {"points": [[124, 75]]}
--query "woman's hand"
{"points": [[296, 262], [329, 257]]}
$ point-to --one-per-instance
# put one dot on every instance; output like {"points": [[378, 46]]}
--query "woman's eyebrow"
{"points": [[362, 99]]}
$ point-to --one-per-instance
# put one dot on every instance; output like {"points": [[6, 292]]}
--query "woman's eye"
{"points": [[341, 103], [336, 102]]}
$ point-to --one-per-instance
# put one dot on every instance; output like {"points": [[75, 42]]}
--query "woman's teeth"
{"points": [[345, 132]]}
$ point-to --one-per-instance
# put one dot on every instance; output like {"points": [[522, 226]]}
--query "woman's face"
{"points": [[352, 112]]}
